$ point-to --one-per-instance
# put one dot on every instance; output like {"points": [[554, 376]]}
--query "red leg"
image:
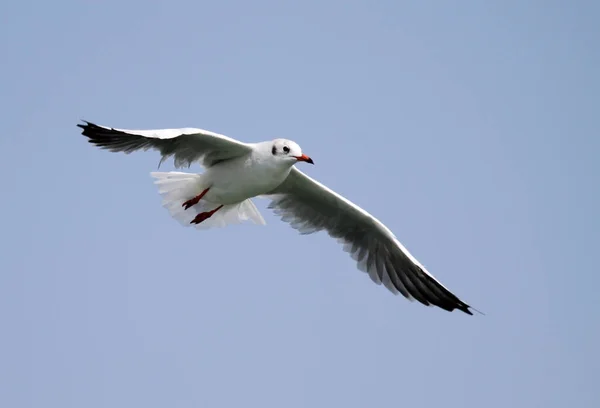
{"points": [[194, 200], [204, 215]]}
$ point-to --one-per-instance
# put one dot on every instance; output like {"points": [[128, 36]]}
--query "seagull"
{"points": [[235, 172]]}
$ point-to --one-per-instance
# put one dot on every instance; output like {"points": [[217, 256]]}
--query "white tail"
{"points": [[177, 187]]}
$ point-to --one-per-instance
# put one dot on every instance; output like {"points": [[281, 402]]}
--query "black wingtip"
{"points": [[478, 311], [463, 307], [94, 132], [86, 126], [98, 135]]}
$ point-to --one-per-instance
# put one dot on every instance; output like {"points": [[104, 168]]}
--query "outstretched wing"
{"points": [[309, 206], [186, 145]]}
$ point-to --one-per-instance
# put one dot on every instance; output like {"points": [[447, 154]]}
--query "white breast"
{"points": [[239, 179]]}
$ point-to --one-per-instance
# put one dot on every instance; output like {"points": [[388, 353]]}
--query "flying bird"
{"points": [[235, 172]]}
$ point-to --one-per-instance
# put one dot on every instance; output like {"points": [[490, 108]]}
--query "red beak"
{"points": [[305, 158]]}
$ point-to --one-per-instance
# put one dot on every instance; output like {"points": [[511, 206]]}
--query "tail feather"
{"points": [[177, 187]]}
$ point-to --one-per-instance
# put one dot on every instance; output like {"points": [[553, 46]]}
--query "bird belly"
{"points": [[233, 182]]}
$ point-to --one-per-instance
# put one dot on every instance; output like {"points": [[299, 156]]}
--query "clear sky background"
{"points": [[469, 127]]}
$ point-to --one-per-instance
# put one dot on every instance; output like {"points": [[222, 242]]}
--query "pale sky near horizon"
{"points": [[469, 128]]}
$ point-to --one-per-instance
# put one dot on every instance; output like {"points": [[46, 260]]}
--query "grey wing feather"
{"points": [[186, 145], [309, 206]]}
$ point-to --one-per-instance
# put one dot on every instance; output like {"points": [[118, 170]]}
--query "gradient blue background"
{"points": [[470, 128]]}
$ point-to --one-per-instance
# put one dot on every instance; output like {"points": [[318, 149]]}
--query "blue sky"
{"points": [[469, 128]]}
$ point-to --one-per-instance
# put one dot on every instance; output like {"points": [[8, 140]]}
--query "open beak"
{"points": [[305, 158]]}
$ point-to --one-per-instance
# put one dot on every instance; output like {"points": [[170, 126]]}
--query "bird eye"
{"points": [[286, 149], [274, 150]]}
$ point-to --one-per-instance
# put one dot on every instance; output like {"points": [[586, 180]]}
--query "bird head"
{"points": [[289, 151]]}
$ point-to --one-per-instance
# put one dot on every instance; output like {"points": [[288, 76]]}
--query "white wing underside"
{"points": [[186, 145], [309, 206]]}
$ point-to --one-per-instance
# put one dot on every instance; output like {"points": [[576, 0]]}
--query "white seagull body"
{"points": [[235, 172]]}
